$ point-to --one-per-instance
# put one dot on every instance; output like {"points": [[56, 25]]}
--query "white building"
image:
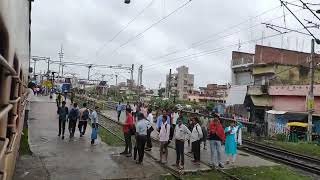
{"points": [[181, 83]]}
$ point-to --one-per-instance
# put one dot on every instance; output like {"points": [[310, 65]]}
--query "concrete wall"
{"points": [[14, 47]]}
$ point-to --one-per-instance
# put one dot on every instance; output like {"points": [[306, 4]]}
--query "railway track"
{"points": [[295, 160]]}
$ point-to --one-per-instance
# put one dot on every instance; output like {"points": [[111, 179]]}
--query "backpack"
{"points": [[85, 115], [73, 114]]}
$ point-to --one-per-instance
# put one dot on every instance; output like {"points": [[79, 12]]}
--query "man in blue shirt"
{"points": [[119, 109], [141, 132], [159, 119]]}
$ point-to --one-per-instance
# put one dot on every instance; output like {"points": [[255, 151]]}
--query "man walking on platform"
{"points": [[95, 124], [73, 118], [127, 128], [164, 138], [119, 109], [181, 133], [141, 131], [196, 135], [150, 129], [83, 121], [63, 115]]}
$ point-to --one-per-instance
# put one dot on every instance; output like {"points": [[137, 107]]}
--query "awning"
{"points": [[276, 112], [261, 101], [291, 116], [236, 95]]}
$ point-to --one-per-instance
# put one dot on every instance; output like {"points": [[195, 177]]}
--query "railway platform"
{"points": [[74, 158]]}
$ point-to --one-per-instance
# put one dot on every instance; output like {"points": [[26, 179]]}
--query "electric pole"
{"points": [[139, 81], [131, 85], [89, 68], [169, 84], [60, 58], [62, 66], [310, 102], [116, 80]]}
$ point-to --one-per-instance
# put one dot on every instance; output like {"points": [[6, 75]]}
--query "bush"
{"points": [[281, 137]]}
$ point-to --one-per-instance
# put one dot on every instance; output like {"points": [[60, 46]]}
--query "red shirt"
{"points": [[128, 123]]}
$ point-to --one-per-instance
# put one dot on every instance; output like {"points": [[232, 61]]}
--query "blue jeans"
{"points": [[215, 149]]}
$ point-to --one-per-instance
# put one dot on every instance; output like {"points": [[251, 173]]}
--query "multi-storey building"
{"points": [[181, 83], [278, 86]]}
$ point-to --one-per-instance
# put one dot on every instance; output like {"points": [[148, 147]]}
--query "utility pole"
{"points": [[34, 68], [48, 70], [139, 80], [60, 58], [169, 84], [132, 68], [89, 68], [62, 66], [310, 101], [116, 80]]}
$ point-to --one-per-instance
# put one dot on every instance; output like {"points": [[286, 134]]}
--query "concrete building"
{"points": [[241, 68], [181, 83], [276, 84]]}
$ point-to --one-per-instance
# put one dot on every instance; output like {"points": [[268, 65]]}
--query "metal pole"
{"points": [[116, 80], [34, 69], [169, 85], [310, 101], [89, 67], [132, 68], [62, 70]]}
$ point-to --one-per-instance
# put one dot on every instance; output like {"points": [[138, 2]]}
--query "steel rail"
{"points": [[283, 151], [283, 159]]}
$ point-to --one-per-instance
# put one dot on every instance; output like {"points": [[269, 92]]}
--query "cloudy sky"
{"points": [[200, 34]]}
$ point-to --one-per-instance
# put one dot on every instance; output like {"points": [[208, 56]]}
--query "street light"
{"points": [[318, 11]]}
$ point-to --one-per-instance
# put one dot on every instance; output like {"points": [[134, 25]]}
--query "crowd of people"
{"points": [[75, 115], [169, 126], [174, 126]]}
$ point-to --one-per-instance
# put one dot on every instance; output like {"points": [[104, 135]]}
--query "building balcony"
{"points": [[236, 63]]}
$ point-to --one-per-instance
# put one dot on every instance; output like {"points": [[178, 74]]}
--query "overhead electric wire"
{"points": [[204, 53], [124, 28], [225, 36], [155, 64], [151, 26]]}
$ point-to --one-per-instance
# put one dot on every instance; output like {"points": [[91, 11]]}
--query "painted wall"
{"points": [[293, 103]]}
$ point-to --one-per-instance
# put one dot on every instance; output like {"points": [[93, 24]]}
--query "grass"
{"points": [[109, 138], [248, 173], [267, 172], [24, 143], [311, 149]]}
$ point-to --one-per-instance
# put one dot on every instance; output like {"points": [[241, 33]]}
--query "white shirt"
{"points": [[196, 133], [29, 98], [134, 108], [150, 118], [181, 132], [164, 132]]}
